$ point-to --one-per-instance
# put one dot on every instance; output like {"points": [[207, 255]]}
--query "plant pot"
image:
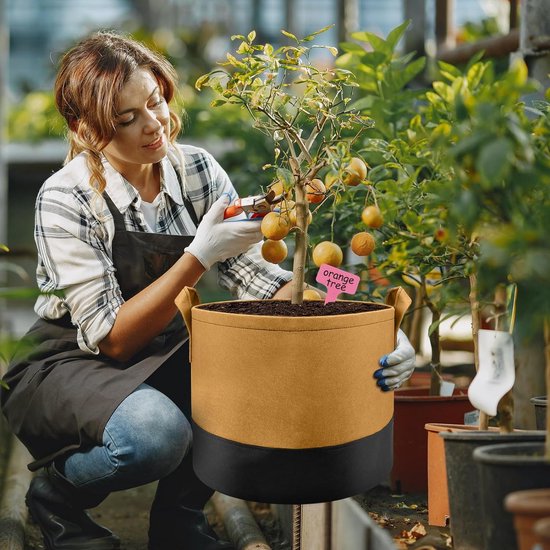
{"points": [[527, 507], [503, 469], [466, 522], [286, 409], [438, 497], [542, 533], [414, 408], [540, 411]]}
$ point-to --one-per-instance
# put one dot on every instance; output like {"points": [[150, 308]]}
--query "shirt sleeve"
{"points": [[247, 276], [74, 252]]}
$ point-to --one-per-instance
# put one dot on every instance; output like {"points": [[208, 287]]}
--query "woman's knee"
{"points": [[148, 434]]}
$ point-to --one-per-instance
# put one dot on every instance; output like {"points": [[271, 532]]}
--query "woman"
{"points": [[103, 401]]}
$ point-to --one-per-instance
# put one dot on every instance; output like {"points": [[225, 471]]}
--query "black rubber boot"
{"points": [[177, 520], [58, 507]]}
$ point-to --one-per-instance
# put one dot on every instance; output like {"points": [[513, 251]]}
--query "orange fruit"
{"points": [[441, 234], [355, 172], [274, 251], [315, 190], [310, 294], [362, 243], [372, 217], [292, 217], [277, 187], [327, 252], [274, 226]]}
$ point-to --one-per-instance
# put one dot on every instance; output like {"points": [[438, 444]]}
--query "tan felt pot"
{"points": [[283, 391]]}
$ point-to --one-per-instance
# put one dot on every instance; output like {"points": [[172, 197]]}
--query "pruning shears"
{"points": [[255, 206]]}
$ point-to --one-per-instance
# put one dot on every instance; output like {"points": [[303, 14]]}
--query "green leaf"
{"points": [[396, 34], [251, 36], [286, 177], [363, 103], [311, 36], [373, 59], [289, 35], [494, 159], [243, 48], [352, 47], [444, 90], [475, 74], [449, 70], [202, 81], [378, 44], [217, 102]]}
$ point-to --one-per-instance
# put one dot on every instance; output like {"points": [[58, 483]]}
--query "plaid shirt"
{"points": [[74, 233]]}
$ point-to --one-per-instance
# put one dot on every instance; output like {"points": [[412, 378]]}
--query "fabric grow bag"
{"points": [[286, 409]]}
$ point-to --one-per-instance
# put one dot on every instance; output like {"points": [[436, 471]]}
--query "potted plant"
{"points": [[413, 236], [499, 195], [285, 409]]}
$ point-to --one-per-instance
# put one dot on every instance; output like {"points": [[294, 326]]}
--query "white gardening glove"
{"points": [[397, 366], [217, 240]]}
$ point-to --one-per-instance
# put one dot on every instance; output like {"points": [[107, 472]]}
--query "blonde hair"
{"points": [[91, 75]]}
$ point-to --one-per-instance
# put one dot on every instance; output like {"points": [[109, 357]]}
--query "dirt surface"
{"points": [[283, 308], [405, 517], [126, 513]]}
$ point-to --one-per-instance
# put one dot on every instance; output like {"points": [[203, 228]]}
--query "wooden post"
{"points": [[348, 18], [505, 406], [415, 37], [533, 40], [444, 24]]}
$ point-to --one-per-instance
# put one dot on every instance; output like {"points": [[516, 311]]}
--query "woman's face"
{"points": [[142, 123]]}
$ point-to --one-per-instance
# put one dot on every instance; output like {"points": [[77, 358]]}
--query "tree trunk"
{"points": [[435, 363], [505, 408], [300, 253], [474, 307]]}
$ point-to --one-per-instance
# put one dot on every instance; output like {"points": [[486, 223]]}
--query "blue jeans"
{"points": [[145, 439]]}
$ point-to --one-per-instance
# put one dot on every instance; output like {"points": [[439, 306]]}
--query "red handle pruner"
{"points": [[256, 206]]}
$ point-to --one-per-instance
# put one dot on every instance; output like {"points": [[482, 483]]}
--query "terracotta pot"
{"points": [[438, 494], [414, 408], [421, 379], [542, 533], [285, 409], [504, 469], [527, 507]]}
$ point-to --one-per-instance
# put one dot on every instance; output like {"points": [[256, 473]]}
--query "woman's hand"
{"points": [[217, 240], [397, 366]]}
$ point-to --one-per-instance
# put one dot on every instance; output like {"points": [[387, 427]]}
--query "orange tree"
{"points": [[304, 109], [405, 170], [499, 193], [460, 173]]}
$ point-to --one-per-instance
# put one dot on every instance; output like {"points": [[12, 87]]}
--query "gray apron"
{"points": [[60, 397]]}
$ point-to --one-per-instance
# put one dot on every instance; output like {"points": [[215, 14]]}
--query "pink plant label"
{"points": [[337, 281]]}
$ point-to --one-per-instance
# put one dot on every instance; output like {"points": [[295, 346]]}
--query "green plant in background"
{"points": [[10, 346], [405, 169], [304, 111], [499, 192], [35, 118]]}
